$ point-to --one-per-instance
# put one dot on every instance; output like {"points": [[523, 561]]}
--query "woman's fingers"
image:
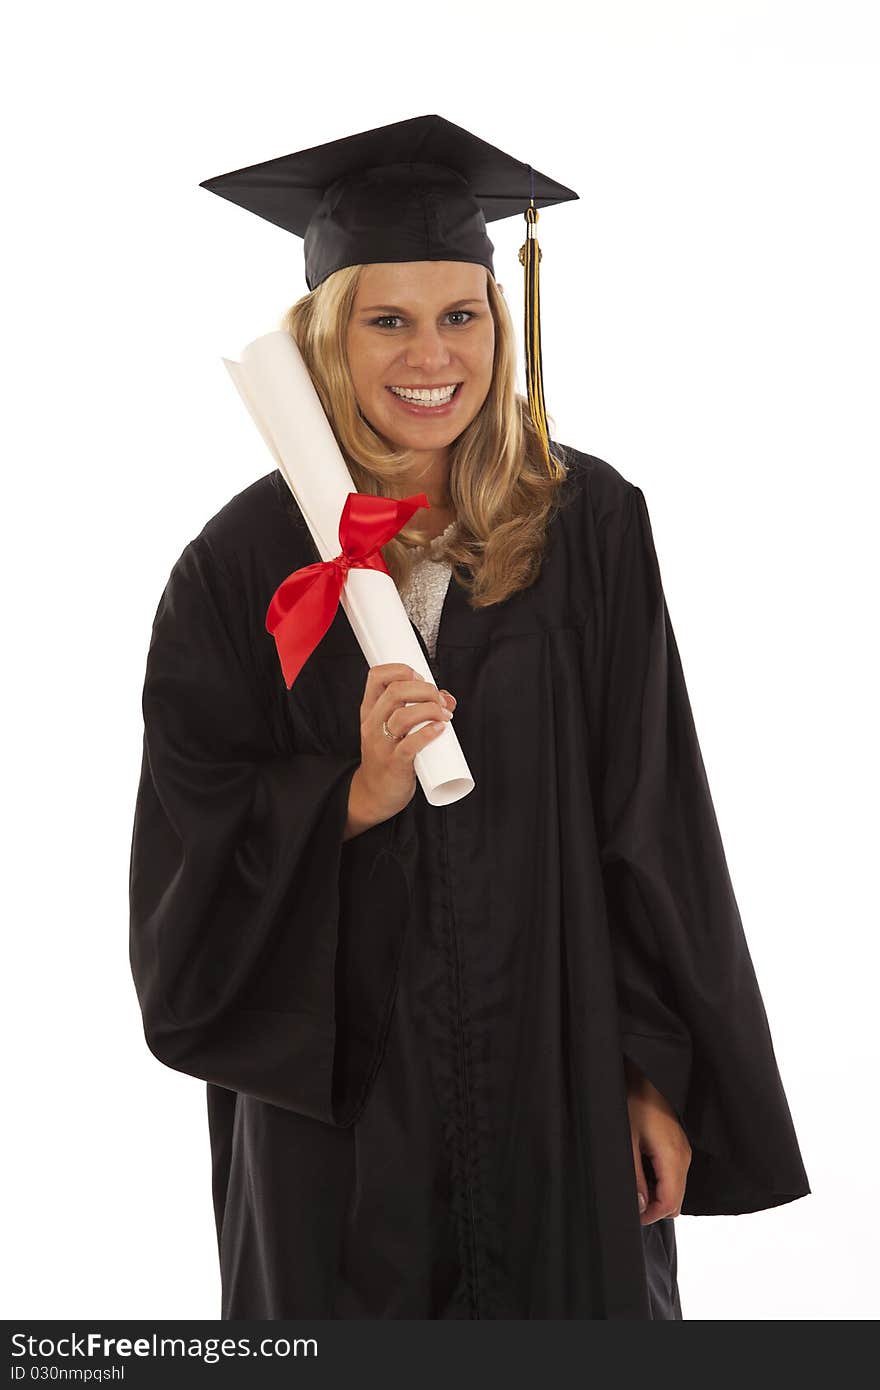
{"points": [[403, 700], [379, 678], [641, 1179], [421, 704], [656, 1133], [413, 714], [670, 1163]]}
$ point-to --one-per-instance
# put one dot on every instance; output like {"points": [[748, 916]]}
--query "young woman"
{"points": [[467, 1061]]}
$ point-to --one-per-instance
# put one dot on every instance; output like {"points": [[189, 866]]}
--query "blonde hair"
{"points": [[499, 486]]}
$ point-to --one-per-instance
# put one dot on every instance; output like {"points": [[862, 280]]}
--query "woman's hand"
{"points": [[655, 1131], [385, 782]]}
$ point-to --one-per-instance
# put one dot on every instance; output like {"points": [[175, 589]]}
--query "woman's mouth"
{"points": [[437, 401]]}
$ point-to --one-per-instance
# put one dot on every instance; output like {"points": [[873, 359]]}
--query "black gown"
{"points": [[413, 1040]]}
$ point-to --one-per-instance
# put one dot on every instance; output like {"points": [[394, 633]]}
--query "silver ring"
{"points": [[388, 734]]}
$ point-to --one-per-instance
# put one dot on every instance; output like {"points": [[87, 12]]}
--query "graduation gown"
{"points": [[413, 1040]]}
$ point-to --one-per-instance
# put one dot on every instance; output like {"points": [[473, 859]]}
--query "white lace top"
{"points": [[424, 594]]}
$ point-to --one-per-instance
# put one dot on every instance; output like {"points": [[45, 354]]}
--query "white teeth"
{"points": [[437, 396]]}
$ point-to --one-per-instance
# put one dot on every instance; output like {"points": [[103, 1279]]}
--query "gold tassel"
{"points": [[529, 257]]}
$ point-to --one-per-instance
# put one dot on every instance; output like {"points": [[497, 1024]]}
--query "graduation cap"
{"points": [[416, 190]]}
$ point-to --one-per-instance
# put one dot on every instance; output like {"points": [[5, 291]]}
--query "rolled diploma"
{"points": [[276, 387]]}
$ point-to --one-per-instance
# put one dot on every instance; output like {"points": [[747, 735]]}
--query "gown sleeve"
{"points": [[264, 948], [691, 1013]]}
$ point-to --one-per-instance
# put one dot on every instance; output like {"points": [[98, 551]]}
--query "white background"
{"points": [[710, 318]]}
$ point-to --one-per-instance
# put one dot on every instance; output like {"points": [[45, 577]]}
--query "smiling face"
{"points": [[421, 326]]}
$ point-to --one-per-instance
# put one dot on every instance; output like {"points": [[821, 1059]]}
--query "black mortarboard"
{"points": [[417, 190]]}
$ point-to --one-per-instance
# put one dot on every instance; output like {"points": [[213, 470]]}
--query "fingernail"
{"points": [[443, 699], [643, 1202]]}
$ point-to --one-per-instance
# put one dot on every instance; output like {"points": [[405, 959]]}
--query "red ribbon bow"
{"points": [[305, 603]]}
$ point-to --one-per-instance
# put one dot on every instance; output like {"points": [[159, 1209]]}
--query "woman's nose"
{"points": [[427, 346]]}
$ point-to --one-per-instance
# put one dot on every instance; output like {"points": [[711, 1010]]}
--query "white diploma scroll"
{"points": [[276, 387]]}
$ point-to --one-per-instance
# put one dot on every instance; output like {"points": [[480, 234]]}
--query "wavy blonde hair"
{"points": [[499, 487]]}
